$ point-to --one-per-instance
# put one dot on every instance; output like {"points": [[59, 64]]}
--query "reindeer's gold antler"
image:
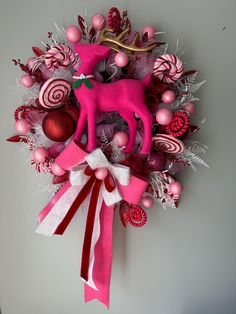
{"points": [[116, 43]]}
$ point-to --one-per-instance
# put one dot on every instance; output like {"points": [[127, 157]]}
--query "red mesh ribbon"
{"points": [[94, 184]]}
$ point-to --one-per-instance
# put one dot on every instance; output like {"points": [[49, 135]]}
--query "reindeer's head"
{"points": [[92, 52]]}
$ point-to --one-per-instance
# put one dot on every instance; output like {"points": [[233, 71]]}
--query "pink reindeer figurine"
{"points": [[125, 96]]}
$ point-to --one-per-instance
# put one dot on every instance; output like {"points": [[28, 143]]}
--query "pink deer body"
{"points": [[125, 96]]}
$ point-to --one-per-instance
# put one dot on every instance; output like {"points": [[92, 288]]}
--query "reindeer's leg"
{"points": [[146, 118], [128, 116], [80, 125], [91, 145]]}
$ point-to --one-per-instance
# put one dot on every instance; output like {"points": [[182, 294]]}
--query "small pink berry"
{"points": [[30, 62], [101, 173], [120, 139], [26, 80], [150, 30], [40, 154], [175, 188], [22, 126], [189, 107], [121, 59], [147, 202], [73, 34], [164, 116], [98, 21], [168, 97]]}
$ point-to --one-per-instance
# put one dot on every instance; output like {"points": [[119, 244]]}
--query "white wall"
{"points": [[181, 262]]}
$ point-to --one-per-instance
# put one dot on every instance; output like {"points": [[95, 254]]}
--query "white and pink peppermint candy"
{"points": [[53, 92], [60, 56], [168, 144], [168, 68]]}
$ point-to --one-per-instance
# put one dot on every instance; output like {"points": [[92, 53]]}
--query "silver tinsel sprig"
{"points": [[159, 186]]}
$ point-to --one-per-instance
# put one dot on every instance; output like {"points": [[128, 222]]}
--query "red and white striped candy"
{"points": [[168, 68], [54, 92], [168, 144], [60, 56]]}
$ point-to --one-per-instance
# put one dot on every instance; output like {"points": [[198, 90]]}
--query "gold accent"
{"points": [[116, 42]]}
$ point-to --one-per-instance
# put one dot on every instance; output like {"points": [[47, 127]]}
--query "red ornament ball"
{"points": [[58, 126], [157, 161]]}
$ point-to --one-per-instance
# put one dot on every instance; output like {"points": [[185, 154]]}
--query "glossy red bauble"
{"points": [[58, 126]]}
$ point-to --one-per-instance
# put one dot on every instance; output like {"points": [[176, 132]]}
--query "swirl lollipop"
{"points": [[60, 56], [168, 144], [53, 92], [168, 68]]}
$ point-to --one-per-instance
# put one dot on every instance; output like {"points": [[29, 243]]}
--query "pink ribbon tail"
{"points": [[53, 201], [103, 259]]}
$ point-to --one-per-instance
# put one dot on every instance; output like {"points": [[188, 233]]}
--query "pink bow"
{"points": [[55, 217]]}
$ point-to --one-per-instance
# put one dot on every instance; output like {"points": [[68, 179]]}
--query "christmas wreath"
{"points": [[108, 113]]}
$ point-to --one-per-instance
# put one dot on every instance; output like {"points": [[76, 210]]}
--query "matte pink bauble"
{"points": [[26, 80], [73, 34], [168, 97], [98, 21], [22, 127], [101, 173], [156, 161], [189, 107], [120, 139], [121, 59], [164, 116], [150, 30], [147, 202], [40, 154], [30, 62], [57, 170], [175, 188]]}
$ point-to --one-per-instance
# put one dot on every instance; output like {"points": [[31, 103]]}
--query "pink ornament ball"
{"points": [[73, 34], [26, 81], [164, 116], [120, 139], [57, 170], [40, 154], [98, 21], [168, 97], [147, 202], [150, 30], [30, 62], [101, 173], [22, 127], [189, 107], [175, 188], [121, 59]]}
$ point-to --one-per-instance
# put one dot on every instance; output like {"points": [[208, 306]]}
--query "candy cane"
{"points": [[168, 68], [60, 56]]}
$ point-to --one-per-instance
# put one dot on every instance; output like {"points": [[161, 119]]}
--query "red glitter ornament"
{"points": [[179, 124], [58, 126]]}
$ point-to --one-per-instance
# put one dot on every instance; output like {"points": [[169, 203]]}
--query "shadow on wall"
{"points": [[218, 305]]}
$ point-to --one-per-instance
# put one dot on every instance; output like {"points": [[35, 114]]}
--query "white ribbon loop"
{"points": [[95, 160]]}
